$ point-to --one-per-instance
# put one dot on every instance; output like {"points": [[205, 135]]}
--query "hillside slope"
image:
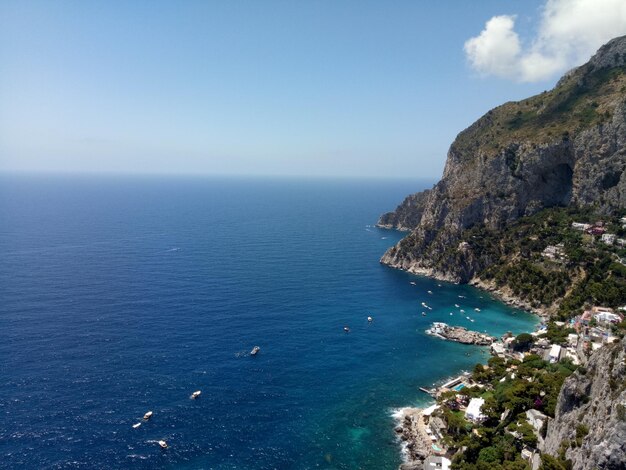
{"points": [[562, 148]]}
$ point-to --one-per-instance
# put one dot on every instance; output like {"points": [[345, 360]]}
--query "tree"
{"points": [[523, 342]]}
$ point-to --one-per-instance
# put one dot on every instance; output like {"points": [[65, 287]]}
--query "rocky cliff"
{"points": [[565, 147], [589, 427]]}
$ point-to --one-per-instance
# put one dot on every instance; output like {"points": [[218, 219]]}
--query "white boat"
{"points": [[477, 309], [412, 283], [148, 415], [255, 351], [346, 329], [423, 314], [370, 319], [430, 292], [462, 311], [195, 394], [457, 305], [136, 425], [163, 444]]}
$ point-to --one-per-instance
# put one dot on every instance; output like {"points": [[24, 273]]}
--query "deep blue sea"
{"points": [[120, 295]]}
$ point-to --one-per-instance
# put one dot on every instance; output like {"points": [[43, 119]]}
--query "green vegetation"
{"points": [[584, 99], [589, 272], [496, 443]]}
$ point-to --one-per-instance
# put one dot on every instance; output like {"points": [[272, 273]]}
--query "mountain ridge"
{"points": [[562, 148]]}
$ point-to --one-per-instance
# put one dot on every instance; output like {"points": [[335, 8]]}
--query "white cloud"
{"points": [[569, 32]]}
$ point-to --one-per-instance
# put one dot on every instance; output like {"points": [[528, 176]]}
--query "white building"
{"points": [[572, 339], [498, 349], [580, 226], [554, 252], [555, 353], [607, 317], [436, 462], [608, 238], [473, 410]]}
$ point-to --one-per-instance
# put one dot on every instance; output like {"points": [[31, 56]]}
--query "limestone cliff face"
{"points": [[407, 215], [592, 409], [559, 148]]}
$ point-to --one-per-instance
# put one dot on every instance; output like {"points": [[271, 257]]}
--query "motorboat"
{"points": [[255, 351], [163, 444], [148, 415], [195, 394], [136, 425], [370, 319]]}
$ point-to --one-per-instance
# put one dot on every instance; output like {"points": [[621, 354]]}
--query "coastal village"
{"points": [[426, 433], [514, 395]]}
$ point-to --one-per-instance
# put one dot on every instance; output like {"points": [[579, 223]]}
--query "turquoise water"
{"points": [[124, 295]]}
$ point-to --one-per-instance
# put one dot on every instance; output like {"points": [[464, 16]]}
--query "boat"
{"points": [[412, 283], [477, 309], [430, 292], [255, 351], [457, 305], [346, 329], [136, 425], [462, 311], [423, 314], [163, 444], [370, 319], [195, 394], [148, 415], [451, 313]]}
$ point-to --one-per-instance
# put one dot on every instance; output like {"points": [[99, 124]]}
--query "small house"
{"points": [[608, 238], [436, 462], [554, 354], [472, 412]]}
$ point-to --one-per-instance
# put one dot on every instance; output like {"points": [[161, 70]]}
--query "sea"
{"points": [[124, 294]]}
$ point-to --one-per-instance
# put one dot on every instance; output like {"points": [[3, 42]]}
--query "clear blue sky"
{"points": [[323, 88]]}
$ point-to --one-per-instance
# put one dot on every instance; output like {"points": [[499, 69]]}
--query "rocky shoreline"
{"points": [[459, 334], [502, 295], [411, 430], [509, 298]]}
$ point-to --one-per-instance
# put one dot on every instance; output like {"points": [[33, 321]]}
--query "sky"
{"points": [[304, 88]]}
